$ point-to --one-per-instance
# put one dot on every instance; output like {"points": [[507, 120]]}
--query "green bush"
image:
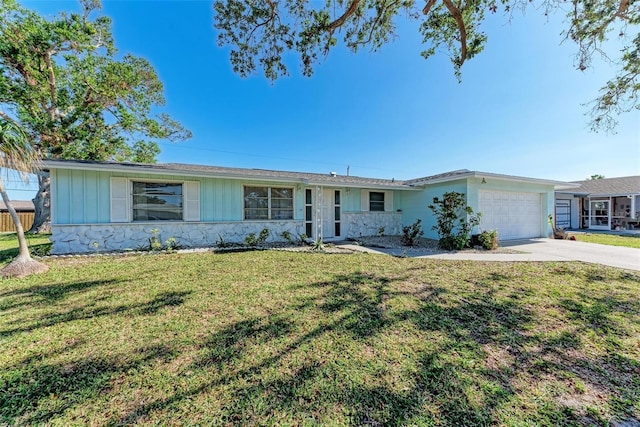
{"points": [[455, 220], [287, 237], [410, 233], [263, 236], [252, 240], [489, 239], [221, 243]]}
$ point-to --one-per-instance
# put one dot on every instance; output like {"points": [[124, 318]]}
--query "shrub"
{"points": [[263, 236], [221, 243], [287, 237], [410, 233], [455, 220], [381, 231], [488, 239], [318, 245], [251, 240], [558, 233], [171, 244]]}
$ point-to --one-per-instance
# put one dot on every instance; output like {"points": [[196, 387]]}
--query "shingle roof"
{"points": [[452, 174], [245, 173], [18, 205], [302, 177], [608, 186]]}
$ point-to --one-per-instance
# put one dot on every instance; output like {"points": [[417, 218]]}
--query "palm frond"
{"points": [[16, 151]]}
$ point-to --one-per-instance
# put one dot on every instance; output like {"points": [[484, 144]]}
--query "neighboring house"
{"points": [[600, 204], [25, 211], [115, 206]]}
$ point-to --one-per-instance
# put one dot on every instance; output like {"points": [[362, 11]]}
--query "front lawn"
{"points": [[608, 239], [286, 338], [38, 245]]}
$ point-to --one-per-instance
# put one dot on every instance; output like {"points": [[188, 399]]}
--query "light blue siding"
{"points": [[83, 197], [414, 204]]}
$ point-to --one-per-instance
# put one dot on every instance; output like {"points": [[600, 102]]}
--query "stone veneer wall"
{"points": [[356, 224], [85, 238]]}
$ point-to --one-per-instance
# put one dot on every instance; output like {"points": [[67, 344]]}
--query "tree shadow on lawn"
{"points": [[91, 310], [479, 358], [32, 380], [437, 387], [65, 385], [6, 255], [47, 294]]}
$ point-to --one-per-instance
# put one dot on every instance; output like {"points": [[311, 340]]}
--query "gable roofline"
{"points": [[608, 187], [202, 171], [465, 174]]}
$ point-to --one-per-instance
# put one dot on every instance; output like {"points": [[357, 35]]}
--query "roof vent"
{"points": [[333, 173]]}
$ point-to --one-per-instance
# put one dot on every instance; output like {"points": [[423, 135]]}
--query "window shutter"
{"points": [[388, 201], [364, 202], [119, 200], [192, 201]]}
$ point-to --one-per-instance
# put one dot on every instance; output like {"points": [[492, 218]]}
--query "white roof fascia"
{"points": [[613, 194], [362, 185], [558, 185], [168, 171]]}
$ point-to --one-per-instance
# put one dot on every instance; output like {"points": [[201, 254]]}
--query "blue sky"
{"points": [[389, 114]]}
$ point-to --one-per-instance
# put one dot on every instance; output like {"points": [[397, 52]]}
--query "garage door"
{"points": [[514, 215]]}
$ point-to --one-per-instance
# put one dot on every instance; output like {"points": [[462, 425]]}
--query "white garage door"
{"points": [[514, 215]]}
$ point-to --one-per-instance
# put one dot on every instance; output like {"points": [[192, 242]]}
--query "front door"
{"points": [[323, 211], [327, 214], [599, 215]]}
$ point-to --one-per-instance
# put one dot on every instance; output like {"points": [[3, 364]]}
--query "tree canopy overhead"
{"points": [[262, 32], [63, 82]]}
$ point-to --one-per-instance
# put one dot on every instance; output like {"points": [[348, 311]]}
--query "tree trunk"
{"points": [[23, 264], [42, 204]]}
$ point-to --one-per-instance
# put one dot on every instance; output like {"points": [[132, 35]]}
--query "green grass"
{"points": [[608, 239], [38, 245], [285, 338]]}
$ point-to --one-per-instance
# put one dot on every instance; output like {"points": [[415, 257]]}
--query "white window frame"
{"points": [[121, 199], [364, 200], [269, 207]]}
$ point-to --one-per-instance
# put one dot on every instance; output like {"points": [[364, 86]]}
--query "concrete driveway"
{"points": [[559, 250], [543, 250]]}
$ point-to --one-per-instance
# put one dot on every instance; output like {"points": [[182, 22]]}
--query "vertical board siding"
{"points": [[84, 197], [7, 225], [78, 203], [62, 196]]}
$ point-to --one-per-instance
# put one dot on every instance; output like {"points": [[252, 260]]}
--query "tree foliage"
{"points": [[454, 220], [261, 33], [64, 82]]}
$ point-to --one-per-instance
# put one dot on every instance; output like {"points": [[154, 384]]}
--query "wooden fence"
{"points": [[6, 223]]}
